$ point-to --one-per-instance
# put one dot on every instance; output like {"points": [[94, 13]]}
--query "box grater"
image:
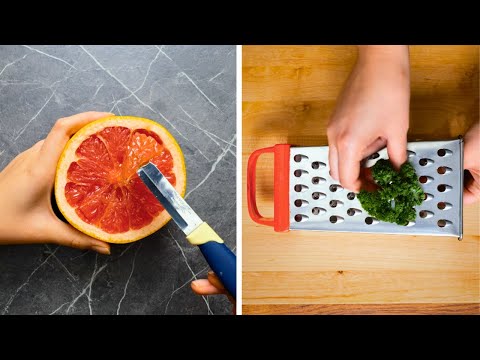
{"points": [[307, 198]]}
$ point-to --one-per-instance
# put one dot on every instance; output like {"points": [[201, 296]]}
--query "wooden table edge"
{"points": [[364, 309]]}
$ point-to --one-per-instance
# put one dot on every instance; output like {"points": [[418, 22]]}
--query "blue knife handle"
{"points": [[223, 262]]}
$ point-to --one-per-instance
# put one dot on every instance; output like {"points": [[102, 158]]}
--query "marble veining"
{"points": [[188, 89]]}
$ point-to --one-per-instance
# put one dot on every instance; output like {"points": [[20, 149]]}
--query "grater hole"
{"points": [[316, 195], [333, 219], [297, 158], [444, 206], [333, 203], [425, 214], [300, 217], [442, 223], [351, 196], [298, 203], [373, 156], [425, 162], [443, 152], [369, 220], [334, 187], [424, 179], [410, 153], [297, 173], [441, 188], [300, 188], [317, 210], [316, 165], [317, 180], [442, 170], [352, 212]]}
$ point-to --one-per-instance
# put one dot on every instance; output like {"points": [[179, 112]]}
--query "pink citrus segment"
{"points": [[116, 145], [143, 206]]}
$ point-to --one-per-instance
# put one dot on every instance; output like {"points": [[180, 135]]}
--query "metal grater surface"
{"points": [[318, 202]]}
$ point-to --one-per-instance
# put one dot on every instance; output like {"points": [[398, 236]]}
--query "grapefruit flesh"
{"points": [[97, 187]]}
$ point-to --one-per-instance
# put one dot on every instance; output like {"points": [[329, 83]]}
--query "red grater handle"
{"points": [[281, 218]]}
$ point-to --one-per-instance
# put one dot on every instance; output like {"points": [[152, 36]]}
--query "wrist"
{"points": [[384, 54]]}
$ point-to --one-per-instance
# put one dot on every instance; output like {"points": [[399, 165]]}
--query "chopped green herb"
{"points": [[398, 194]]}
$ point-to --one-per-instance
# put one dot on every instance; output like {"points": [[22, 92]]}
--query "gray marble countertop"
{"points": [[188, 89]]}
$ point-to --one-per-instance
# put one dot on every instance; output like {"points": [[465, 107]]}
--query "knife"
{"points": [[219, 257]]}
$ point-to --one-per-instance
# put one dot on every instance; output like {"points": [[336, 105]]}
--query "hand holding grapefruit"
{"points": [[26, 214]]}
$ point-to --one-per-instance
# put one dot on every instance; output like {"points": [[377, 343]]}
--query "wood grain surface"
{"points": [[363, 309], [288, 94]]}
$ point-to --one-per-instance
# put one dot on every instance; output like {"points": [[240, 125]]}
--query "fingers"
{"points": [[66, 235], [470, 197], [62, 131], [471, 162], [378, 144], [349, 157], [210, 286], [471, 193], [333, 160], [332, 151], [215, 281], [204, 287], [397, 149]]}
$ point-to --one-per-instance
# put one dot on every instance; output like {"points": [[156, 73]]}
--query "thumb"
{"points": [[397, 149], [471, 193], [67, 235], [62, 131], [205, 287]]}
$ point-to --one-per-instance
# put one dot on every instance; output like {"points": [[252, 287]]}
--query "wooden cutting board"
{"points": [[288, 95]]}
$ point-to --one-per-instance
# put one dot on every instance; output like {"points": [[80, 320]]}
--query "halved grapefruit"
{"points": [[97, 188]]}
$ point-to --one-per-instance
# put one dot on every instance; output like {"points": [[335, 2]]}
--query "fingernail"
{"points": [[211, 272], [101, 249]]}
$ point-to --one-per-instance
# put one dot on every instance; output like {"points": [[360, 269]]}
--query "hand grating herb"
{"points": [[398, 194]]}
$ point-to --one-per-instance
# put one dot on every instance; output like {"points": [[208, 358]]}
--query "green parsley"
{"points": [[398, 194]]}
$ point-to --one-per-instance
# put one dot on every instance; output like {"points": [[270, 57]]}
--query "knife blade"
{"points": [[183, 215]]}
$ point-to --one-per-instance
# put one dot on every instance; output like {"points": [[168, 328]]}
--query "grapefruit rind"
{"points": [[68, 156]]}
